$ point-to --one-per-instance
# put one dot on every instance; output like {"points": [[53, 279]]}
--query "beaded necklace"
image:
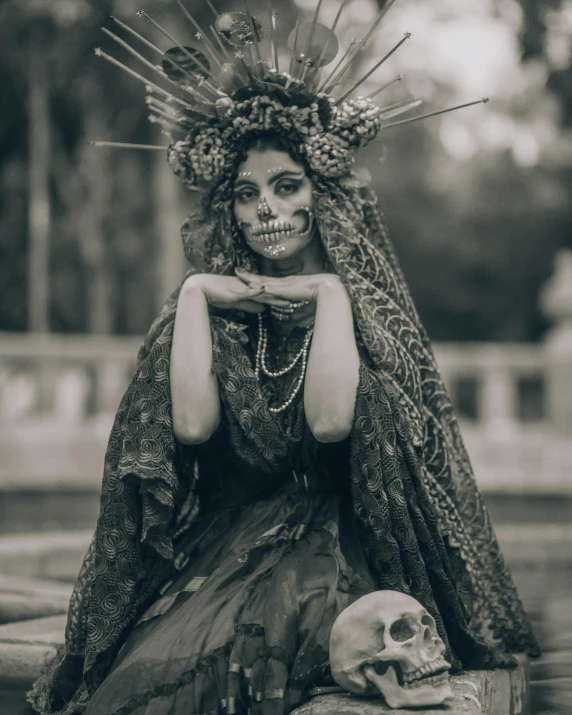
{"points": [[301, 356], [283, 313]]}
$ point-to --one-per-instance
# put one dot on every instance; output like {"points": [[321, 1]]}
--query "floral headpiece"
{"points": [[226, 91]]}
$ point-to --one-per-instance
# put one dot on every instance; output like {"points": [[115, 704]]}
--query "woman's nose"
{"points": [[264, 211]]}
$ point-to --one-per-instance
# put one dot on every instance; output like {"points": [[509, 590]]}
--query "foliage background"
{"points": [[477, 202]]}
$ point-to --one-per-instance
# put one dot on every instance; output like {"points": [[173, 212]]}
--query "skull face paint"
{"points": [[273, 204], [387, 643]]}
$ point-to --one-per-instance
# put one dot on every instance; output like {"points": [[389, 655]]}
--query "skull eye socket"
{"points": [[402, 630], [427, 620]]}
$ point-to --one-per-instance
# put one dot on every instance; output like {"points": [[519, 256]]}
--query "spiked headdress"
{"points": [[232, 87]]}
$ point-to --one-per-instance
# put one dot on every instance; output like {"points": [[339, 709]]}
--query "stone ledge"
{"points": [[47, 555], [26, 598], [340, 704], [492, 692], [25, 648]]}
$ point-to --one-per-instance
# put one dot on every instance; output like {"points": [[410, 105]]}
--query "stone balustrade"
{"points": [[58, 395]]}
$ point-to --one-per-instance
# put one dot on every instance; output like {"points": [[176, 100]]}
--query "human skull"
{"points": [[387, 643]]}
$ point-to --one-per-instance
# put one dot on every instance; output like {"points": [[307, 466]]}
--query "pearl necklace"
{"points": [[261, 364], [284, 312]]}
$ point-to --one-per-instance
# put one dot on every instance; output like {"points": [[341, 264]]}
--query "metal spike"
{"points": [[199, 81], [166, 128], [157, 49], [126, 145], [273, 48], [398, 105], [142, 13], [226, 54], [338, 15], [385, 86], [157, 115], [203, 36], [329, 79], [394, 110], [294, 48], [157, 103], [305, 66], [238, 55], [379, 18], [100, 53], [258, 63], [144, 60], [365, 39], [133, 32], [332, 29], [183, 49], [179, 121], [434, 114], [213, 8], [197, 113], [373, 69]]}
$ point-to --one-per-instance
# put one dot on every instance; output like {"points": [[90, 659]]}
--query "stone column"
{"points": [[556, 303], [498, 396]]}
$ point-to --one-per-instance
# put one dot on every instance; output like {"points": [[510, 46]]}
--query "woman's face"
{"points": [[273, 204]]}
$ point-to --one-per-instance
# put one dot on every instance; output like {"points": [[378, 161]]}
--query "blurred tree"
{"points": [[475, 236], [102, 239]]}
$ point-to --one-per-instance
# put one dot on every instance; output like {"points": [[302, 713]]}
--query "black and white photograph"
{"points": [[285, 357]]}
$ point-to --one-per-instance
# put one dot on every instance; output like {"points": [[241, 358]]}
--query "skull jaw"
{"points": [[396, 696]]}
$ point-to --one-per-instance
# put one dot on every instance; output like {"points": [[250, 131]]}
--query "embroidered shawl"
{"points": [[424, 527]]}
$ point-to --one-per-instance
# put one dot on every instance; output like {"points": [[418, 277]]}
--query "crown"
{"points": [[210, 98]]}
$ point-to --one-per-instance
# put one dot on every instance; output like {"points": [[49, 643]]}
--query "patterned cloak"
{"points": [[424, 528]]}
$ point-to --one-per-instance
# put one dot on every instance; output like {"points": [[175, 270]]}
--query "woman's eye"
{"points": [[288, 187], [245, 196]]}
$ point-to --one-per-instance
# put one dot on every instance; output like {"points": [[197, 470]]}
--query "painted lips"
{"points": [[273, 231]]}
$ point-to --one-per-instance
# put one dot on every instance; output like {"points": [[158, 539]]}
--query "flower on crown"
{"points": [[225, 91], [324, 134]]}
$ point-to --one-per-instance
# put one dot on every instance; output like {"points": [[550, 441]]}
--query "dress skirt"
{"points": [[245, 627]]}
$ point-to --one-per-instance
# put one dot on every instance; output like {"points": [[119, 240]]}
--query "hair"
{"points": [[210, 235], [268, 141], [259, 141]]}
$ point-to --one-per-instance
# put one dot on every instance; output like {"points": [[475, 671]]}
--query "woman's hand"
{"points": [[292, 288], [231, 292]]}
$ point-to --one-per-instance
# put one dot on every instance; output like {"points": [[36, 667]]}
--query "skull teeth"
{"points": [[270, 228], [420, 676], [274, 236], [430, 680]]}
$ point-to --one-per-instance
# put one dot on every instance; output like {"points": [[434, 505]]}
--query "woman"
{"points": [[285, 447]]}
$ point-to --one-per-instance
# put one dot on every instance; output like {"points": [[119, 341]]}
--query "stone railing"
{"points": [[72, 380], [58, 395]]}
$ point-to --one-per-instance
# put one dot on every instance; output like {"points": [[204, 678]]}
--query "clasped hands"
{"points": [[252, 292]]}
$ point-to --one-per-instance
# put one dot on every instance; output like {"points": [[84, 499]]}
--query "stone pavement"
{"points": [[26, 646], [33, 608]]}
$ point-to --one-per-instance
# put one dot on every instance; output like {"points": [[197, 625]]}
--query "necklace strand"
{"points": [[283, 313], [261, 364]]}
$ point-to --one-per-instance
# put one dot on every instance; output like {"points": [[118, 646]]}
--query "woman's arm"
{"points": [[332, 375], [194, 389]]}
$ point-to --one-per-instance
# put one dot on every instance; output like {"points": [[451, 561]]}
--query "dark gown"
{"points": [[270, 562]]}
